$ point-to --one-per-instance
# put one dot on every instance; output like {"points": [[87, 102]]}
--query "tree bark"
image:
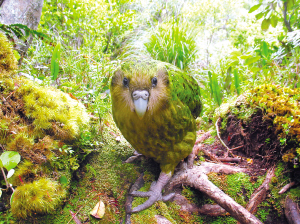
{"points": [[26, 12]]}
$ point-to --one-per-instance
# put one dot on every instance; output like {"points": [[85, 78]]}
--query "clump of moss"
{"points": [[39, 197], [281, 104], [8, 62], [52, 110]]}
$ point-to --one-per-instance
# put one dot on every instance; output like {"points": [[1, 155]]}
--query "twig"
{"points": [[286, 187], [75, 218], [4, 175], [218, 134], [74, 214]]}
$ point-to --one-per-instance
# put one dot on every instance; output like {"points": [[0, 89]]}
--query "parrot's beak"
{"points": [[140, 100]]}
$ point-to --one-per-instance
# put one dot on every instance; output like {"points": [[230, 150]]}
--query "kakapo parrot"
{"points": [[154, 104]]}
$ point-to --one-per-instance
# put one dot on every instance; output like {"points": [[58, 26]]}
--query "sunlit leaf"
{"points": [[255, 7], [10, 159], [259, 15], [55, 61], [265, 49], [274, 21], [265, 24], [252, 60]]}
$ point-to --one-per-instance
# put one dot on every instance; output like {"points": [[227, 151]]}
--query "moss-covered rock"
{"points": [[44, 125]]}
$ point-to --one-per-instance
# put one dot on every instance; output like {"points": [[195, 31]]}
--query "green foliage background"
{"points": [[228, 46]]}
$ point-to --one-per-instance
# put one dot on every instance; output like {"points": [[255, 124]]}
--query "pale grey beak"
{"points": [[140, 100]]}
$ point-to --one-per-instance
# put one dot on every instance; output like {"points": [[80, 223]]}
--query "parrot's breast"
{"points": [[167, 136]]}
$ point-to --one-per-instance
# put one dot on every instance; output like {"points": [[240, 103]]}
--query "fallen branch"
{"points": [[286, 187], [197, 178], [260, 193]]}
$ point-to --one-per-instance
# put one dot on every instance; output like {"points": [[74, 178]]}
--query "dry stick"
{"points": [[74, 214], [286, 187], [197, 178], [218, 134]]}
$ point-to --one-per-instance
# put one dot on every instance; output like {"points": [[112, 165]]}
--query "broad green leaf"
{"points": [[259, 15], [246, 56], [265, 49], [10, 159], [274, 21], [265, 24], [55, 61], [250, 61], [63, 180], [236, 53], [255, 7], [10, 173], [1, 165]]}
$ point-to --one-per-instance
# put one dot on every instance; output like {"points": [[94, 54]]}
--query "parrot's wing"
{"points": [[186, 88]]}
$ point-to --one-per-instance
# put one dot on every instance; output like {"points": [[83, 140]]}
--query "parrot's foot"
{"points": [[154, 193], [135, 156]]}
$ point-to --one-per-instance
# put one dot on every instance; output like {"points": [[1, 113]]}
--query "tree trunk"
{"points": [[26, 12]]}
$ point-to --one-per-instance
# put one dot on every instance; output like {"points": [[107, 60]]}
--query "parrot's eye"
{"points": [[154, 81], [125, 82]]}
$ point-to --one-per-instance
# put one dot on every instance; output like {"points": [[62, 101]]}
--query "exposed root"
{"points": [[260, 193], [197, 178], [291, 211], [212, 210], [128, 204], [208, 154]]}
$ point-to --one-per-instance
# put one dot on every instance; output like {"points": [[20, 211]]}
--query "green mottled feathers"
{"points": [[167, 132]]}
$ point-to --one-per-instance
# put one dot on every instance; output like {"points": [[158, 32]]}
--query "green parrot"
{"points": [[154, 104]]}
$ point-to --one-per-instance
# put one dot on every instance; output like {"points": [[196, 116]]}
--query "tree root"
{"points": [[260, 193], [128, 204], [292, 212], [197, 178]]}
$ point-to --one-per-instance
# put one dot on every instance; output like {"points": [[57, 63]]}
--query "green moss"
{"points": [[39, 197], [8, 62], [238, 186], [52, 110]]}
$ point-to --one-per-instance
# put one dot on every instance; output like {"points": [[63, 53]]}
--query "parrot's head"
{"points": [[140, 91]]}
